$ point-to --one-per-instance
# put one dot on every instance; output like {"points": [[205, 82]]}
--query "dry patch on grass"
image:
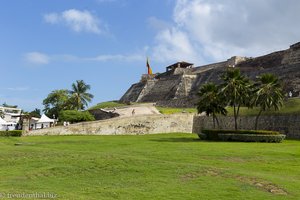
{"points": [[264, 185], [234, 160], [194, 175], [258, 183]]}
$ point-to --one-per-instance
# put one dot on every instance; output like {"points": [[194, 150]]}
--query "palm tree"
{"points": [[79, 95], [236, 89], [268, 95], [35, 113], [211, 102]]}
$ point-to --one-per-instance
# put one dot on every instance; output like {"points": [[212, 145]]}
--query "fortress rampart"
{"points": [[178, 86]]}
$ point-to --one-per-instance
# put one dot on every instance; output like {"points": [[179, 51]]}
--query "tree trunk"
{"points": [[257, 117], [214, 121], [238, 111], [235, 117], [218, 124]]}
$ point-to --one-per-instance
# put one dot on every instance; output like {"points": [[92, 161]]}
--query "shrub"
{"points": [[210, 134], [242, 135], [202, 136], [251, 137], [75, 116], [13, 133]]}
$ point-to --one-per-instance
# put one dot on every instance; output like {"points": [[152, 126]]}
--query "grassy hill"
{"points": [[291, 106], [163, 166], [168, 111], [107, 104]]}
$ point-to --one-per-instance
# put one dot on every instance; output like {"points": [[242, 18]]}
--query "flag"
{"points": [[148, 66]]}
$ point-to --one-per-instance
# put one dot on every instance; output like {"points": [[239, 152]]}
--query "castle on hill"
{"points": [[179, 84]]}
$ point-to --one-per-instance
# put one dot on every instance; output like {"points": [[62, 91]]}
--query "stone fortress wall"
{"points": [[184, 122], [178, 87]]}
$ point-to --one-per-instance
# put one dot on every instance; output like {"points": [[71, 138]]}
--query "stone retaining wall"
{"points": [[184, 122], [150, 124], [286, 124]]}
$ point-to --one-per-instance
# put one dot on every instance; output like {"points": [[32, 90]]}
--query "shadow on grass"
{"points": [[181, 139]]}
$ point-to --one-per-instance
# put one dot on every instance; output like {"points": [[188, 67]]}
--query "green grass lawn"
{"points": [[168, 110], [292, 106], [107, 104], [112, 104], [164, 166]]}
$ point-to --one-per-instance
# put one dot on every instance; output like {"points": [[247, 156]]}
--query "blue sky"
{"points": [[47, 45]]}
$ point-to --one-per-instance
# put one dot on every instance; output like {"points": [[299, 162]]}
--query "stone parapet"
{"points": [[150, 124]]}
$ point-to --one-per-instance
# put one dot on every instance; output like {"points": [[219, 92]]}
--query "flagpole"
{"points": [[149, 70], [146, 64]]}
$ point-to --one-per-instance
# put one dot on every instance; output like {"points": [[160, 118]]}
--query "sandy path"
{"points": [[143, 109]]}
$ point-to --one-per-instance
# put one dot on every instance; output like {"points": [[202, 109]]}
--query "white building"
{"points": [[11, 117], [11, 114], [3, 125]]}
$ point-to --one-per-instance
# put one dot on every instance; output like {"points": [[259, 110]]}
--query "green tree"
{"points": [[35, 113], [211, 102], [56, 101], [79, 95], [74, 116], [269, 94], [237, 90]]}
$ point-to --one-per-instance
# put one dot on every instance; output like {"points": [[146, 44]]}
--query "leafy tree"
{"points": [[56, 101], [268, 95], [79, 95], [236, 89], [35, 113], [211, 101], [75, 116], [59, 100]]}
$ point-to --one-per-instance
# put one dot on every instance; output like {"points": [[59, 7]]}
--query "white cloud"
{"points": [[216, 29], [118, 57], [37, 58], [173, 45], [51, 18], [158, 24], [78, 21], [17, 89]]}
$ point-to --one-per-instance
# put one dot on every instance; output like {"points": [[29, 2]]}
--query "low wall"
{"points": [[286, 124], [183, 122], [149, 124]]}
